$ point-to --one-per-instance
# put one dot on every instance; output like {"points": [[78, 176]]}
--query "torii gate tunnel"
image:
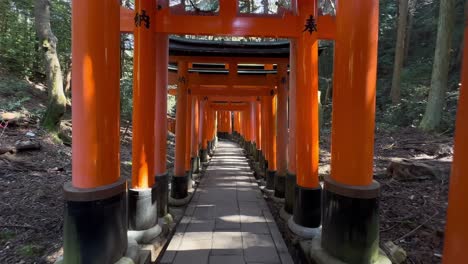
{"points": [[271, 110]]}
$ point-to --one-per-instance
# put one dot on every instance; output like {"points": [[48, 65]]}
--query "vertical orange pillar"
{"points": [[289, 195], [272, 114], [218, 114], [96, 128], [195, 128], [258, 125], [179, 188], [144, 119], [214, 138], [162, 60], [253, 124], [282, 130], [350, 196], [241, 125], [229, 120], [456, 232], [307, 204], [160, 145], [248, 132], [144, 93], [201, 104], [188, 133], [265, 132], [203, 131]]}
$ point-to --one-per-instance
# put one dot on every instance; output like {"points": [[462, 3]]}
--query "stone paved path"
{"points": [[227, 221]]}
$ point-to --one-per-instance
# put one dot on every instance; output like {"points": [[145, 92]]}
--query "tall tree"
{"points": [[48, 42], [409, 28], [395, 93], [440, 69]]}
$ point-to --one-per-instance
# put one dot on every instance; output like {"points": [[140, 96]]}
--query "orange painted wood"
{"points": [[127, 22], [292, 108], [253, 124], [230, 80], [307, 130], [162, 57], [188, 133], [181, 115], [258, 120], [144, 99], [354, 85], [236, 60], [230, 99], [282, 120], [96, 95], [230, 91], [266, 124], [204, 124], [195, 126], [456, 232], [230, 23], [272, 135]]}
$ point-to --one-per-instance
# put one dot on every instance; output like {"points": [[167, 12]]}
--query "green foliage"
{"points": [[19, 47], [416, 75], [6, 235], [30, 250]]}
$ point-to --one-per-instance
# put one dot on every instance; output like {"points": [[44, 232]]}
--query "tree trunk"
{"points": [[48, 42], [399, 51], [409, 28], [457, 62], [440, 68]]}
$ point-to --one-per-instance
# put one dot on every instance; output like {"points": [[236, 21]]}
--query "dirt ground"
{"points": [[31, 203]]}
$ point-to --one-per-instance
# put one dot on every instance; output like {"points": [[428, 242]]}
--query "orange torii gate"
{"points": [[95, 227]]}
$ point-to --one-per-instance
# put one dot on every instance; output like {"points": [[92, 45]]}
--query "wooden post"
{"points": [[351, 197], [96, 193], [282, 130], [456, 234], [289, 200], [180, 179], [306, 219]]}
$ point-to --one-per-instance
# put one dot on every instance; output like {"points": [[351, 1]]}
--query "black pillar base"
{"points": [[247, 147], [307, 207], [270, 180], [290, 193], [204, 155], [350, 230], [261, 160], [211, 147], [95, 223], [142, 209], [257, 154], [190, 179], [280, 185], [265, 170], [161, 191], [195, 161], [179, 186]]}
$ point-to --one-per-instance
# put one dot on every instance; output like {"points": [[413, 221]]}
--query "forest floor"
{"points": [[412, 209]]}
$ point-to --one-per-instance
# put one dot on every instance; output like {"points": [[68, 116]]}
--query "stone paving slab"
{"points": [[227, 221]]}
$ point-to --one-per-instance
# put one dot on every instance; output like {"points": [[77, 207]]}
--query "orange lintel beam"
{"points": [[237, 60], [127, 23], [230, 23], [231, 91], [229, 107], [240, 80], [217, 98], [215, 79]]}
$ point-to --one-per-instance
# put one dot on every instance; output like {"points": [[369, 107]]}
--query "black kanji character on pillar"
{"points": [[310, 25], [142, 18]]}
